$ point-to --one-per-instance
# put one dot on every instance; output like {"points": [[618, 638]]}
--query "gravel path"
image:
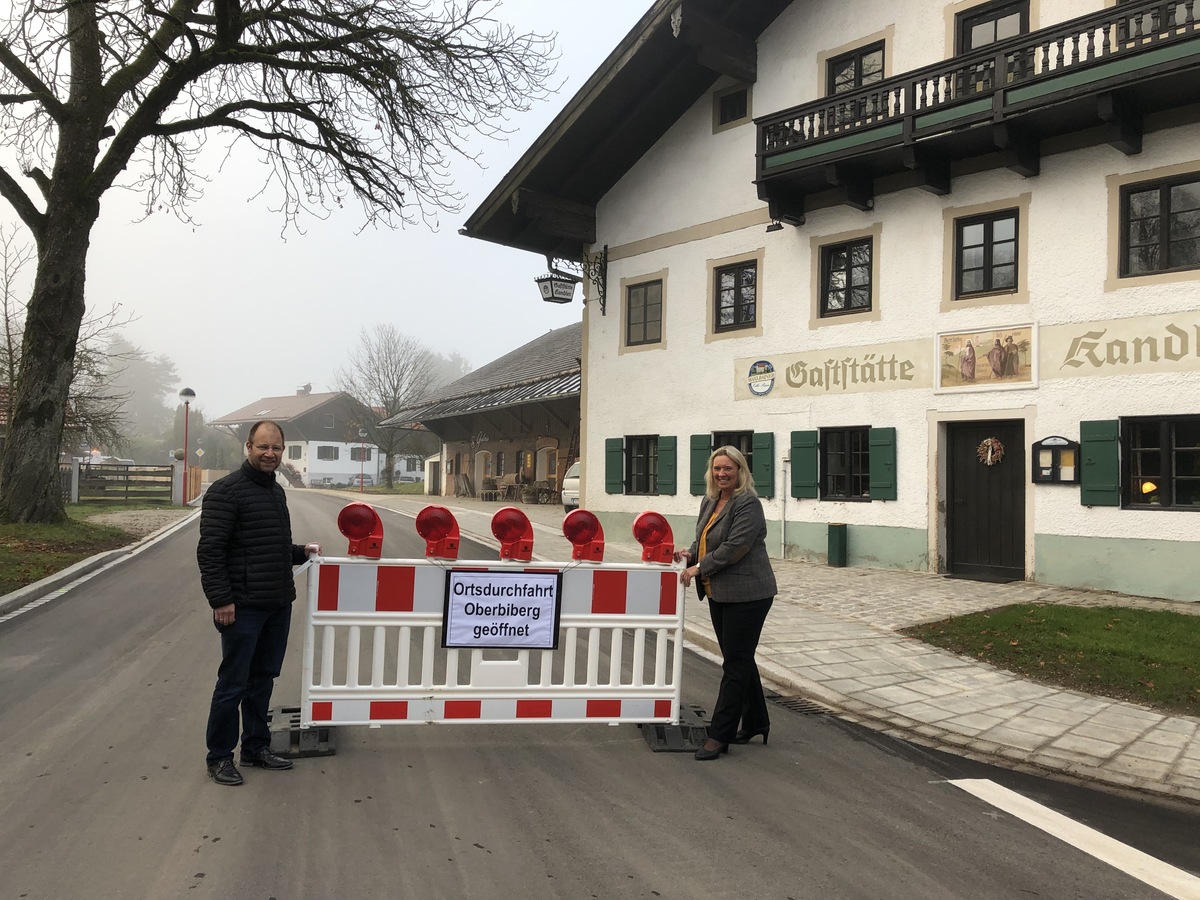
{"points": [[141, 522]]}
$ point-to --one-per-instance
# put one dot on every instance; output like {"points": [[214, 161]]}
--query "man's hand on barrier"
{"points": [[313, 548]]}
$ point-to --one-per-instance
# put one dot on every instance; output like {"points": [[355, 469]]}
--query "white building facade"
{"points": [[936, 270]]}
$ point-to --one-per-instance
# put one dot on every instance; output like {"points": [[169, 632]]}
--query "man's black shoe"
{"points": [[265, 759], [223, 771]]}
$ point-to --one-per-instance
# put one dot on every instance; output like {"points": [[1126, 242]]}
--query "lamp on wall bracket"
{"points": [[558, 286], [775, 225]]}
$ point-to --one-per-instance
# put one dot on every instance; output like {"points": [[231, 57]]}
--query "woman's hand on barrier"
{"points": [[686, 576], [683, 556]]}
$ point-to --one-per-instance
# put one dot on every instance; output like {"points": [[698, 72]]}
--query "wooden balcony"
{"points": [[1094, 79]]}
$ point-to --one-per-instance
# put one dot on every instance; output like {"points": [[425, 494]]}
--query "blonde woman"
{"points": [[729, 563]]}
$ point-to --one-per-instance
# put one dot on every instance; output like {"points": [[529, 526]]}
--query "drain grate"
{"points": [[802, 705]]}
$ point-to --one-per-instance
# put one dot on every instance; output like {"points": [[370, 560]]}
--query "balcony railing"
{"points": [[957, 92]]}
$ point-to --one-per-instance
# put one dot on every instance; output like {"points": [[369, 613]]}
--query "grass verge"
{"points": [[29, 553], [1144, 656]]}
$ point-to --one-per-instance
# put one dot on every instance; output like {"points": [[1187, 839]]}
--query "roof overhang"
{"points": [[546, 204]]}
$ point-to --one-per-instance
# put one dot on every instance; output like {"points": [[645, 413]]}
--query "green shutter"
{"points": [[1100, 463], [882, 442], [701, 449], [763, 463], [806, 469], [667, 467], [614, 465]]}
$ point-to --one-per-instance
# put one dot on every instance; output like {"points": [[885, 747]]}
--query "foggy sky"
{"points": [[245, 311]]}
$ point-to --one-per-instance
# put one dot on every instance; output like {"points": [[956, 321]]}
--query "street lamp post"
{"points": [[362, 457], [187, 395]]}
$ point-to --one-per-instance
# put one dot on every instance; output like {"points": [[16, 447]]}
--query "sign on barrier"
{"points": [[375, 651]]}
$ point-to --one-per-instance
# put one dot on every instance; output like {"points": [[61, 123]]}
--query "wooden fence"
{"points": [[125, 483]]}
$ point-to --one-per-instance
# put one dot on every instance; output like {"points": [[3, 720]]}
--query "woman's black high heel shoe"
{"points": [[706, 752], [744, 737]]}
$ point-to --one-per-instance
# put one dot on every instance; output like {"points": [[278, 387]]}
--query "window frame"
{"points": [[718, 123], [856, 54], [967, 19], [327, 452], [1163, 186], [645, 304], [827, 253], [860, 454], [295, 451], [360, 454], [988, 220], [1167, 475], [641, 463], [738, 324]]}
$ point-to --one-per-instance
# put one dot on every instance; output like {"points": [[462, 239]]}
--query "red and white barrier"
{"points": [[374, 654]]}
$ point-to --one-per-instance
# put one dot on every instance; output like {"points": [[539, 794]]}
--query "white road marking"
{"points": [[1170, 880], [144, 544]]}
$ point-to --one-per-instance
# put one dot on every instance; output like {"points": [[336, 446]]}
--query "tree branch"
{"points": [[11, 191], [40, 90]]}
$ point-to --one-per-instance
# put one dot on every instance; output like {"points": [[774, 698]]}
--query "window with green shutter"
{"points": [[762, 464], [667, 466], [806, 467], [700, 446], [883, 463], [641, 464], [1160, 462], [1100, 470], [614, 465]]}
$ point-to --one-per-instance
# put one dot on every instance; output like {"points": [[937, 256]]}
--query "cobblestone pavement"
{"points": [[832, 637]]}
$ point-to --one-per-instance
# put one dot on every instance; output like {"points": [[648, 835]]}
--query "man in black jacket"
{"points": [[246, 556]]}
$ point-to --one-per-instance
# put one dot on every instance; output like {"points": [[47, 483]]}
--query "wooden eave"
{"points": [[546, 203]]}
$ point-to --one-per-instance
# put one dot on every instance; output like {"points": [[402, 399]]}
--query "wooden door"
{"points": [[985, 512]]}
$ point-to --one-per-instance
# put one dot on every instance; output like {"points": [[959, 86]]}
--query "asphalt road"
{"points": [[103, 699]]}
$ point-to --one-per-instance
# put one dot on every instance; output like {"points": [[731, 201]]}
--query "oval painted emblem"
{"points": [[761, 378]]}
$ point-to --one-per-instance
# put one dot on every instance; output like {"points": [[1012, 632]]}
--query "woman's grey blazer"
{"points": [[736, 565]]}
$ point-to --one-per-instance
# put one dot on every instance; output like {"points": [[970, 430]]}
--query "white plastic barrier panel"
{"points": [[375, 649]]}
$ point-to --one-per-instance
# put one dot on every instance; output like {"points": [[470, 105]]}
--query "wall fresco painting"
{"points": [[990, 359]]}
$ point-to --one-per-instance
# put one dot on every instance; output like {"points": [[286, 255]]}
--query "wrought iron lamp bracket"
{"points": [[594, 268]]}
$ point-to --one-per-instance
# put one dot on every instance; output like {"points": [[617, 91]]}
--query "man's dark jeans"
{"points": [[252, 650]]}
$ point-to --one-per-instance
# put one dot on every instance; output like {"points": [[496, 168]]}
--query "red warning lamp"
{"points": [[583, 530], [512, 529], [440, 529], [654, 534], [361, 524]]}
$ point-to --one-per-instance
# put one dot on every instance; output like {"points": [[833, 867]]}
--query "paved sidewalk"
{"points": [[831, 637]]}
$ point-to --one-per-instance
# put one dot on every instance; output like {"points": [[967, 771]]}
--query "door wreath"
{"points": [[990, 451]]}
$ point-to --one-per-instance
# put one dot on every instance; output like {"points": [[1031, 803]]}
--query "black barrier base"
{"points": [[289, 739], [686, 737]]}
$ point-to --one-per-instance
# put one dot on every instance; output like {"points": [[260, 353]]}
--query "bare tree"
{"points": [[387, 372], [340, 97], [15, 256], [95, 415]]}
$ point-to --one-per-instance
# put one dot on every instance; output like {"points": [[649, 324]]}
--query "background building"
{"points": [[322, 435], [515, 419]]}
